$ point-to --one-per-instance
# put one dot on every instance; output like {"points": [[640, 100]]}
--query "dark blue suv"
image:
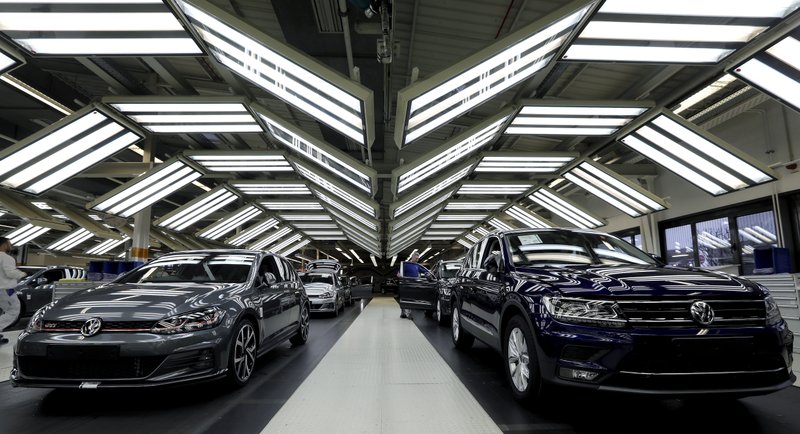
{"points": [[586, 309]]}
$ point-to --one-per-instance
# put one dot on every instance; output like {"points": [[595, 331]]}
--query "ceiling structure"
{"points": [[284, 124]]}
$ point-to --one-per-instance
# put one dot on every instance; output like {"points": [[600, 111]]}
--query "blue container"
{"points": [[771, 260], [109, 267], [95, 267]]}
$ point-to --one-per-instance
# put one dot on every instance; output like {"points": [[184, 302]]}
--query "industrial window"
{"points": [[632, 236], [679, 246], [755, 230]]}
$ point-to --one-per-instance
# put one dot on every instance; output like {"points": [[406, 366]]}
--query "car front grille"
{"points": [[88, 369], [677, 313], [118, 326]]}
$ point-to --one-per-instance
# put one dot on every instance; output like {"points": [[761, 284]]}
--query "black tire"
{"points": [[301, 337], [335, 307], [350, 299], [521, 365], [242, 350], [461, 338], [441, 318]]}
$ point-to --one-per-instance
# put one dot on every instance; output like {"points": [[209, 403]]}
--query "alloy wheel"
{"points": [[439, 311], [456, 325], [244, 357], [304, 323], [518, 360]]}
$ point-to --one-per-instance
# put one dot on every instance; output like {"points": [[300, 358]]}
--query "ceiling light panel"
{"points": [[199, 208], [230, 222], [241, 161], [492, 188], [139, 193], [574, 118], [295, 247], [500, 225], [528, 218], [614, 189], [327, 156], [465, 243], [430, 208], [364, 204], [304, 217], [450, 217], [270, 238], [96, 28], [776, 70], [271, 188], [705, 93], [298, 79], [350, 212], [697, 156], [25, 234], [9, 58], [481, 231], [523, 162], [424, 193], [680, 31], [470, 205], [569, 211], [461, 146], [252, 232], [106, 246], [431, 103], [291, 205], [179, 115], [276, 248], [62, 150], [71, 240]]}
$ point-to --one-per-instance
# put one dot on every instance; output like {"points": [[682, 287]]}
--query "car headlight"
{"points": [[445, 290], [35, 324], [773, 312], [585, 312], [327, 294], [202, 319]]}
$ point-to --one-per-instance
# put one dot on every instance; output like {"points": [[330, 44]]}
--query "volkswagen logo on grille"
{"points": [[91, 327], [702, 313]]}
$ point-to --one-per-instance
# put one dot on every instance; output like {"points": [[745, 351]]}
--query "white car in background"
{"points": [[325, 287]]}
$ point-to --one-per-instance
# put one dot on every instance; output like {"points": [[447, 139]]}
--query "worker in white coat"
{"points": [[9, 276]]}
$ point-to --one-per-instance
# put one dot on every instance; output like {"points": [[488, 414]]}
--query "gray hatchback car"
{"points": [[184, 317]]}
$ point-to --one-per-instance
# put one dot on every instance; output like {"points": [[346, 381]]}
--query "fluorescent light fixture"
{"points": [[428, 237], [451, 234], [470, 205], [453, 150], [500, 225], [271, 188], [430, 208], [71, 240], [106, 246], [473, 238], [450, 217], [528, 218], [230, 222], [369, 223], [346, 256], [705, 93], [494, 188], [139, 193], [304, 217], [241, 161], [25, 233], [62, 150], [374, 261], [33, 92], [96, 28], [681, 31], [394, 259], [431, 103], [355, 255], [9, 58], [523, 162], [559, 205], [464, 225], [252, 232], [179, 115], [575, 118], [481, 231], [284, 244], [465, 243], [326, 156], [697, 156], [776, 70], [364, 204], [315, 234], [270, 238], [437, 185], [296, 78], [428, 249], [199, 208], [295, 247], [291, 205], [615, 190]]}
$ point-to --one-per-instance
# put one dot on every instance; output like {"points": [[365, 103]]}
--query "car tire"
{"points": [[521, 363], [301, 337], [441, 318], [335, 307], [461, 338], [242, 354], [350, 300]]}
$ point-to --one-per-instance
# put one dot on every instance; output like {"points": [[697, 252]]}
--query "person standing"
{"points": [[9, 276], [409, 271]]}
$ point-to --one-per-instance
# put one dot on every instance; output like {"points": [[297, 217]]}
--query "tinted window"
{"points": [[194, 267], [492, 249], [565, 248], [317, 278], [450, 269]]}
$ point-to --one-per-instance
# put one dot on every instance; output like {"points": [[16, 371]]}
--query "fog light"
{"points": [[578, 374], [205, 360]]}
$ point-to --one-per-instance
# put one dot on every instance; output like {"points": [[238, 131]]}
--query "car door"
{"points": [[267, 298], [290, 297], [489, 289], [42, 293], [468, 279], [416, 287]]}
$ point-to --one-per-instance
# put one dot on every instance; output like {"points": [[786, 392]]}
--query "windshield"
{"points": [[30, 271], [565, 248], [450, 269], [194, 267], [317, 278]]}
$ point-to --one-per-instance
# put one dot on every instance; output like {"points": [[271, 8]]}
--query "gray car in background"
{"points": [[36, 290], [184, 317]]}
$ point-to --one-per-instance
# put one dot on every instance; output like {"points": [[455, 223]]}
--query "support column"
{"points": [[140, 250]]}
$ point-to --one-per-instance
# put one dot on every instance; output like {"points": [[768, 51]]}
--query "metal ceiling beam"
{"points": [[115, 170], [170, 75], [120, 82]]}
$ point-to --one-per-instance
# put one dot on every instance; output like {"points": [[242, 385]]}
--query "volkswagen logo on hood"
{"points": [[91, 327], [702, 313]]}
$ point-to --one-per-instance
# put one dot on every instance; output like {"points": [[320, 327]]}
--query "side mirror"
{"points": [[269, 279], [490, 264], [41, 281]]}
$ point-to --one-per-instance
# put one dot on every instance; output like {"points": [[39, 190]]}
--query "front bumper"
{"points": [[444, 304], [667, 361], [323, 304], [119, 359]]}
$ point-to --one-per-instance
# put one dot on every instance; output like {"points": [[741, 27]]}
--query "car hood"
{"points": [[637, 281], [139, 302], [317, 288]]}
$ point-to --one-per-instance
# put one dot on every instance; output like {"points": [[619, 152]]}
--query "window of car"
{"points": [[412, 270], [449, 269], [568, 248], [194, 267], [491, 249], [325, 278], [53, 275]]}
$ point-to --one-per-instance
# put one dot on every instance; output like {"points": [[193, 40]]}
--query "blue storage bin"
{"points": [[771, 260]]}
